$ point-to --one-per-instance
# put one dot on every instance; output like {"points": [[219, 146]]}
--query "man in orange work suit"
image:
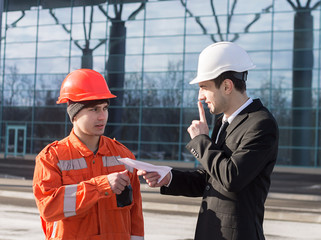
{"points": [[81, 189]]}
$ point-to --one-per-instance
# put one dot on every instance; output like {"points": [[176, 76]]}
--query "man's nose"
{"points": [[201, 96], [102, 114]]}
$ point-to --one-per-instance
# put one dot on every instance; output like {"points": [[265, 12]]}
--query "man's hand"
{"points": [[199, 127], [118, 181], [152, 178]]}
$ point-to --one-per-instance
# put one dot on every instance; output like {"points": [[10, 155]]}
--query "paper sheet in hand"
{"points": [[161, 170]]}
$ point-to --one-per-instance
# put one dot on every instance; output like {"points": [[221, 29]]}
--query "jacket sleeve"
{"points": [[56, 201], [246, 158], [137, 221], [188, 184]]}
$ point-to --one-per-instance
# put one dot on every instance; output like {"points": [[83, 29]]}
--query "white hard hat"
{"points": [[221, 57]]}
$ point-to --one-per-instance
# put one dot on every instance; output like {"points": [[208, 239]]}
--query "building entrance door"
{"points": [[16, 140]]}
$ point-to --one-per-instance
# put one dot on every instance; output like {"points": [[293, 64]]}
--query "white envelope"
{"points": [[161, 170]]}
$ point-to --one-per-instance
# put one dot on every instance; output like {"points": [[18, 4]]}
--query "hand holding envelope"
{"points": [[161, 170]]}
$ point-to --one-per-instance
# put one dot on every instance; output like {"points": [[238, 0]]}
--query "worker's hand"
{"points": [[199, 127], [118, 181], [152, 178]]}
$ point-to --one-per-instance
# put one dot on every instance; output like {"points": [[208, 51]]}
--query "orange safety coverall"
{"points": [[74, 197]]}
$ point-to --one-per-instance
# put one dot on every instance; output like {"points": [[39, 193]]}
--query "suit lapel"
{"points": [[236, 122], [254, 106]]}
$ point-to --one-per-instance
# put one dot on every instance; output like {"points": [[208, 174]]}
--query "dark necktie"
{"points": [[222, 135]]}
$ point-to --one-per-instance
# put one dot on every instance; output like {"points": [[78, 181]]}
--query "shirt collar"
{"points": [[79, 145], [231, 118]]}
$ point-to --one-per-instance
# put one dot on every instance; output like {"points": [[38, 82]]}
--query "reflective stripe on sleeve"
{"points": [[70, 200], [73, 164], [136, 238], [53, 234], [109, 161]]}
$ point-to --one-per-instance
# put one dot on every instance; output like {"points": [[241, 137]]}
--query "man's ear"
{"points": [[228, 85]]}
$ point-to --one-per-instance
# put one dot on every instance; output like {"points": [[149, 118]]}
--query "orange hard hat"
{"points": [[84, 85]]}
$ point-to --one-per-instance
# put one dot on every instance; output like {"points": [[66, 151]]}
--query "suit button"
{"points": [[207, 187], [194, 152]]}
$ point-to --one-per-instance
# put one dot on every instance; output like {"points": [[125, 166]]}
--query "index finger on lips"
{"points": [[201, 112]]}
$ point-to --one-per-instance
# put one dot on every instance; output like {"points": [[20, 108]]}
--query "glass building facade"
{"points": [[148, 53]]}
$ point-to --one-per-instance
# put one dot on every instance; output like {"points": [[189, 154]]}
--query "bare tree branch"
{"points": [[102, 41], [115, 10], [198, 21], [118, 12], [256, 18], [315, 6], [91, 21], [14, 24], [298, 3], [267, 9], [213, 38], [57, 21], [77, 44], [236, 36], [84, 22], [134, 14], [87, 38], [216, 21], [229, 19], [65, 28], [308, 4], [292, 4], [105, 13]]}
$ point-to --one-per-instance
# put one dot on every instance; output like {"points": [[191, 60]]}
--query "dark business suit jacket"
{"points": [[235, 178]]}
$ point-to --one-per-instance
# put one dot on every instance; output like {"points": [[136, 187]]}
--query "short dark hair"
{"points": [[92, 103], [237, 78]]}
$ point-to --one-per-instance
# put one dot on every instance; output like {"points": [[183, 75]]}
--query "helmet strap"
{"points": [[240, 75]]}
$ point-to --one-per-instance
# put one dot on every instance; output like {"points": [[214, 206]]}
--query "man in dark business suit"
{"points": [[237, 160]]}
